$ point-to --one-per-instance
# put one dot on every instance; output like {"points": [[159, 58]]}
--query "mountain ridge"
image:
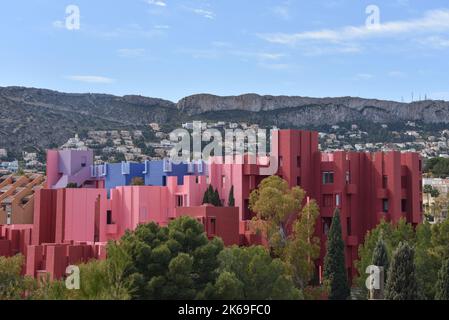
{"points": [[42, 118]]}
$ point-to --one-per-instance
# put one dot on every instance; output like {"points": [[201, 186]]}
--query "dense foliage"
{"points": [[334, 262]]}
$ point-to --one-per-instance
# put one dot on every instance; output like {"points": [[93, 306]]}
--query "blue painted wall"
{"points": [[115, 177], [156, 176]]}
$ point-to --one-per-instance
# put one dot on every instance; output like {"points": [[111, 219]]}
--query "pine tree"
{"points": [[208, 197], [402, 283], [217, 200], [334, 262], [231, 200], [380, 256], [442, 290]]}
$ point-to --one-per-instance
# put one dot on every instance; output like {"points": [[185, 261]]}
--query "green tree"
{"points": [[72, 185], [275, 203], [174, 262], [427, 262], [303, 247], [231, 200], [251, 273], [380, 256], [13, 285], [209, 195], [442, 287], [392, 234], [217, 201], [402, 283], [334, 262], [137, 181]]}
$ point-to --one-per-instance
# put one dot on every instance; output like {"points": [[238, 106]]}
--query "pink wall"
{"points": [[85, 214]]}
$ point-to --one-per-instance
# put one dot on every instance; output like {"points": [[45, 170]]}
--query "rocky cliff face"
{"points": [[315, 111], [39, 119]]}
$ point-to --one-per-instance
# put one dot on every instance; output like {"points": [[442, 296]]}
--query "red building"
{"points": [[366, 187], [74, 224]]}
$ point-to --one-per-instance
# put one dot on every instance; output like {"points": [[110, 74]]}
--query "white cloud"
{"points": [[204, 13], [437, 42], [91, 79], [159, 3], [130, 53], [432, 21]]}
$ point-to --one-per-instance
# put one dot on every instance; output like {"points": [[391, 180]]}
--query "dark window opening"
{"points": [[328, 177], [298, 181], [212, 226], [326, 225], [348, 226], [179, 201], [298, 161], [385, 205], [404, 205], [109, 217]]}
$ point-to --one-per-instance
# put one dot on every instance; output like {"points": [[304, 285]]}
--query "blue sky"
{"points": [[171, 49]]}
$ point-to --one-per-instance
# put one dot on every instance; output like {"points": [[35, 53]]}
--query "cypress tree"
{"points": [[208, 195], [217, 200], [380, 256], [442, 287], [231, 200], [402, 283], [334, 262]]}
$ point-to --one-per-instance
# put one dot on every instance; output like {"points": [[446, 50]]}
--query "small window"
{"points": [[298, 181], [212, 226], [404, 205], [337, 200], [420, 165], [109, 217], [326, 225], [179, 201], [197, 180], [348, 226], [328, 177], [298, 161], [385, 205]]}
